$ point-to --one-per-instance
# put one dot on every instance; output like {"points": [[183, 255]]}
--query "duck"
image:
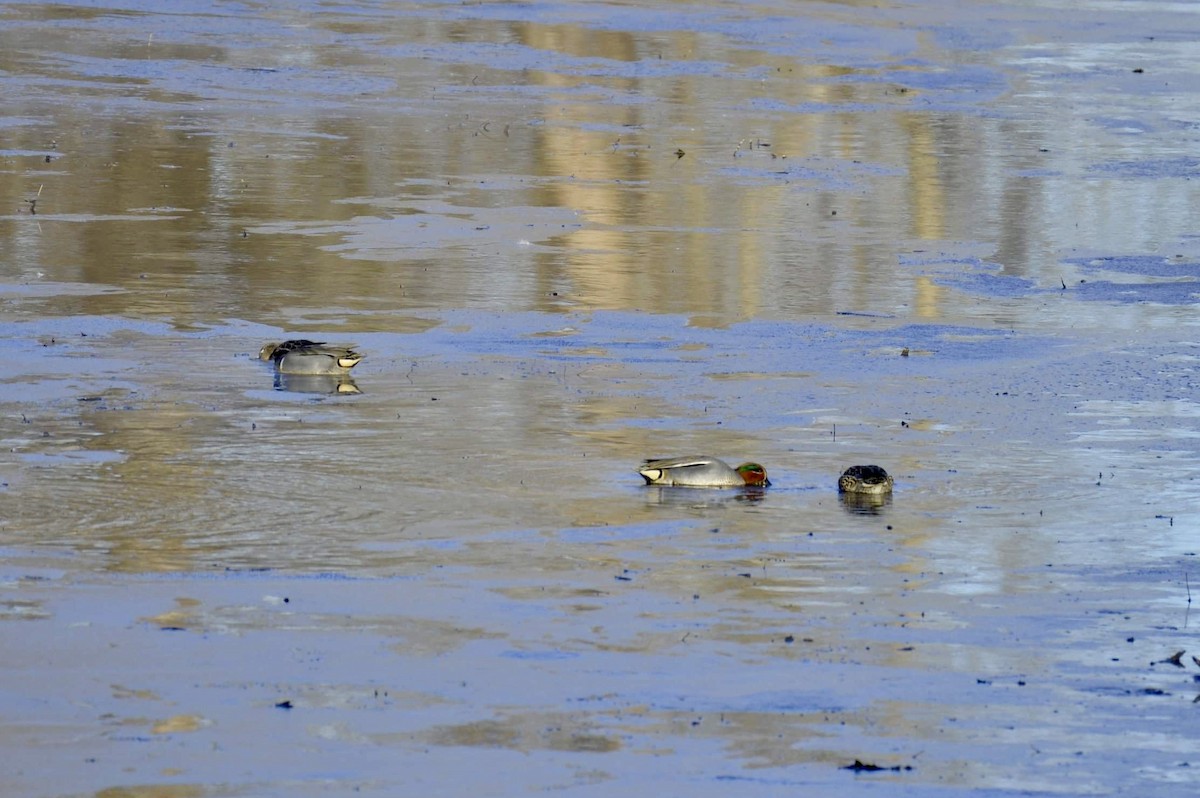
{"points": [[702, 471], [301, 356], [865, 480]]}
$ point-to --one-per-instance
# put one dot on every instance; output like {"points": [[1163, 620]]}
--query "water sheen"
{"points": [[952, 239]]}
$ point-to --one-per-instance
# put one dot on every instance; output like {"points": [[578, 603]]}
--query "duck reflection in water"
{"points": [[865, 503], [671, 496], [316, 383]]}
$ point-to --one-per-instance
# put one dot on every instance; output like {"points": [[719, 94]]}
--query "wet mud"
{"points": [[955, 240]]}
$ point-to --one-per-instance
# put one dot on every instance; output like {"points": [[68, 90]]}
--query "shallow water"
{"points": [[952, 239]]}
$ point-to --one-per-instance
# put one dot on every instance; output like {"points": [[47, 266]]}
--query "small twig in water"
{"points": [[1174, 659]]}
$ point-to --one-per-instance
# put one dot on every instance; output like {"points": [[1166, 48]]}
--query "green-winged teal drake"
{"points": [[702, 471], [301, 356]]}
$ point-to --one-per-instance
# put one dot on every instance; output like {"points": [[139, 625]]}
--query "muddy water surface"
{"points": [[955, 239]]}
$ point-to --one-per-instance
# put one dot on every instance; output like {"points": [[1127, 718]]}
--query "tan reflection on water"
{"points": [[155, 791], [662, 236], [177, 724], [765, 212], [552, 732]]}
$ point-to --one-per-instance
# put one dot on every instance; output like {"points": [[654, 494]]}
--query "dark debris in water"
{"points": [[869, 767], [1175, 659]]}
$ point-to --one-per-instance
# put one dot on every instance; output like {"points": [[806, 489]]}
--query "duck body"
{"points": [[301, 356], [702, 471], [865, 480]]}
